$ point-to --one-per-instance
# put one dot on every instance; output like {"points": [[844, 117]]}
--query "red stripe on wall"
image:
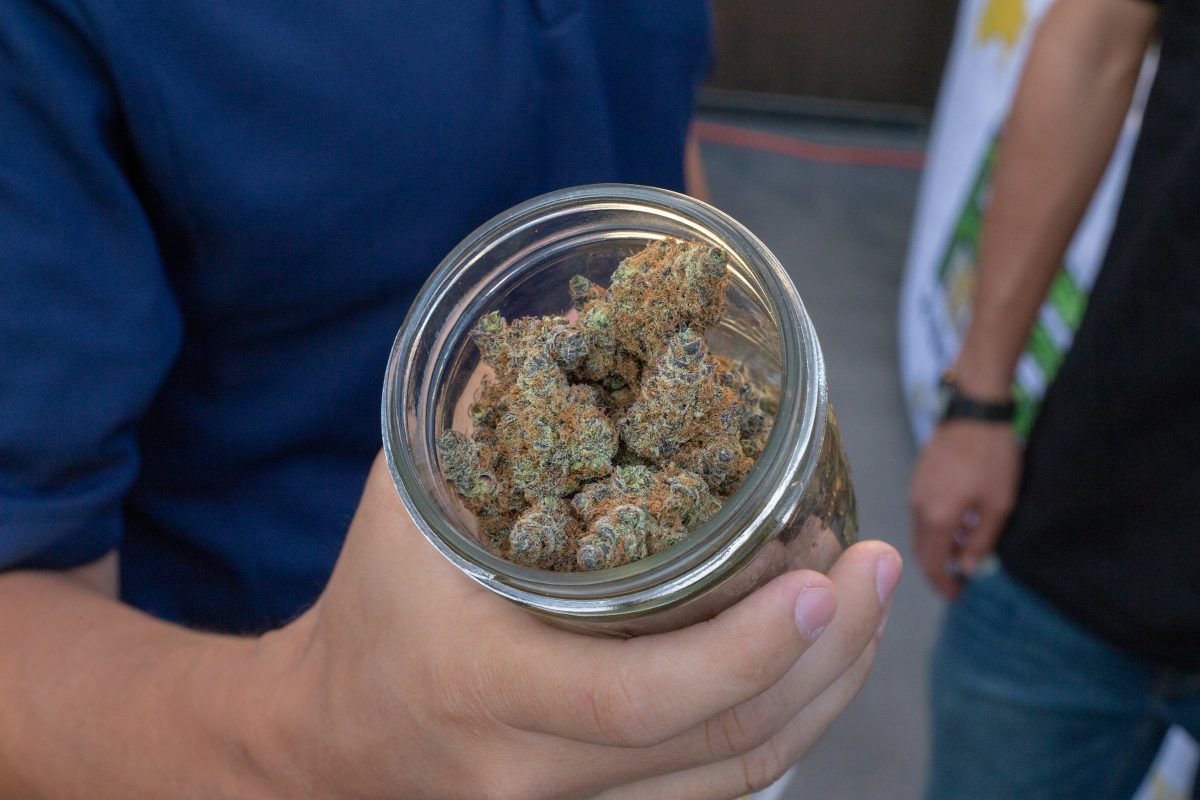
{"points": [[812, 151]]}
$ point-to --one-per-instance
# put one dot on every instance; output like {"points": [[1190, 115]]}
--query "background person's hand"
{"points": [[961, 495], [409, 680]]}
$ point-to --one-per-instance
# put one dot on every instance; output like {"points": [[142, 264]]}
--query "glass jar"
{"points": [[794, 510]]}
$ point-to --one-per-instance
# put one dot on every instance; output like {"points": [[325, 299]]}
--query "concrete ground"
{"points": [[839, 223]]}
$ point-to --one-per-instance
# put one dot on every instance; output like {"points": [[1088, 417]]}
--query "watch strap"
{"points": [[961, 406]]}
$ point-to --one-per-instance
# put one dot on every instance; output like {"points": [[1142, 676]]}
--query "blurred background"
{"points": [[876, 57], [822, 130], [840, 228], [817, 146]]}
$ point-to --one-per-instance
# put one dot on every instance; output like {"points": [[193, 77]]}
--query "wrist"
{"points": [[983, 369], [955, 404], [271, 728], [983, 381]]}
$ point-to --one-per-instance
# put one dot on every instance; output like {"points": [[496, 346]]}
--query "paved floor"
{"points": [[840, 227]]}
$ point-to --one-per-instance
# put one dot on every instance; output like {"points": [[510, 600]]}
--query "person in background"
{"points": [[1060, 666], [213, 217]]}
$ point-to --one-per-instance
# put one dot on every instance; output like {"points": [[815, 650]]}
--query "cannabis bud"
{"points": [[616, 539], [543, 534], [605, 439]]}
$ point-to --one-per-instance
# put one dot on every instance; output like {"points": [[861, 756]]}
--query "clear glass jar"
{"points": [[795, 509]]}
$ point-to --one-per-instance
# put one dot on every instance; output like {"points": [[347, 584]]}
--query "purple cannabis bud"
{"points": [[635, 479], [683, 503], [591, 442], [473, 469], [567, 346], [587, 501], [679, 399], [542, 535], [491, 337], [721, 463], [459, 461], [758, 404], [615, 539]]}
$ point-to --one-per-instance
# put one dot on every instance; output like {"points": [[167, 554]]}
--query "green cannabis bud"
{"points": [[667, 286], [601, 440]]}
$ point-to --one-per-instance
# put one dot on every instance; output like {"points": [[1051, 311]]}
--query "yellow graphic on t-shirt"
{"points": [[1002, 20]]}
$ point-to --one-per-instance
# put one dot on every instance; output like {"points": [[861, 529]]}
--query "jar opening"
{"points": [[519, 263]]}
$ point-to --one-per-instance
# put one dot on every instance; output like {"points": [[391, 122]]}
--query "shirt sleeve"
{"points": [[88, 323]]}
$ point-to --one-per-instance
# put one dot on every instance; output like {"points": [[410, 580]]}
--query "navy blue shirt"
{"points": [[213, 216]]}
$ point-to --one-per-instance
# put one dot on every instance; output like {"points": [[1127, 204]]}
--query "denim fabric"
{"points": [[1026, 704]]}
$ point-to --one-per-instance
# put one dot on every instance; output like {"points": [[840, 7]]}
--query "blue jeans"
{"points": [[1029, 706]]}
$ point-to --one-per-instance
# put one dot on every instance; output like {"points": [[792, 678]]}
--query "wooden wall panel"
{"points": [[874, 51]]}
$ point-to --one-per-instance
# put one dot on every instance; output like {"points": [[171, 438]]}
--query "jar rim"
{"points": [[714, 551]]}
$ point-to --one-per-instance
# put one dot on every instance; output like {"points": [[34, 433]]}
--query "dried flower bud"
{"points": [[621, 421], [721, 463], [567, 346], [459, 456], [678, 400], [591, 441], [758, 405], [635, 479], [487, 408], [615, 539], [491, 337], [589, 499], [475, 472], [667, 286], [542, 535], [583, 290]]}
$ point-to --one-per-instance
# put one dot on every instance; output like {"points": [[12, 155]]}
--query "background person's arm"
{"points": [[1073, 96]]}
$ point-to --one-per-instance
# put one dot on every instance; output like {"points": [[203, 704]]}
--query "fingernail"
{"points": [[814, 609], [887, 610], [887, 575]]}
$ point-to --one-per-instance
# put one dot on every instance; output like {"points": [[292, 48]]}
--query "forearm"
{"points": [[101, 701], [1068, 112]]}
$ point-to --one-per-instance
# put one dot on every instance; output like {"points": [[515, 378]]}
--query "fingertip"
{"points": [[887, 575], [809, 595], [886, 562], [814, 609]]}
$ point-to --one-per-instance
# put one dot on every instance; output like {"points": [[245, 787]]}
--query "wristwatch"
{"points": [[953, 404]]}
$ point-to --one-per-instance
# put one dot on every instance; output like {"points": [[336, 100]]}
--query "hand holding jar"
{"points": [[409, 680]]}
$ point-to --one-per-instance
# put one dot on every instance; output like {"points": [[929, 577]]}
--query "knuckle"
{"points": [[736, 730], [764, 766], [754, 665], [624, 711], [458, 696]]}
